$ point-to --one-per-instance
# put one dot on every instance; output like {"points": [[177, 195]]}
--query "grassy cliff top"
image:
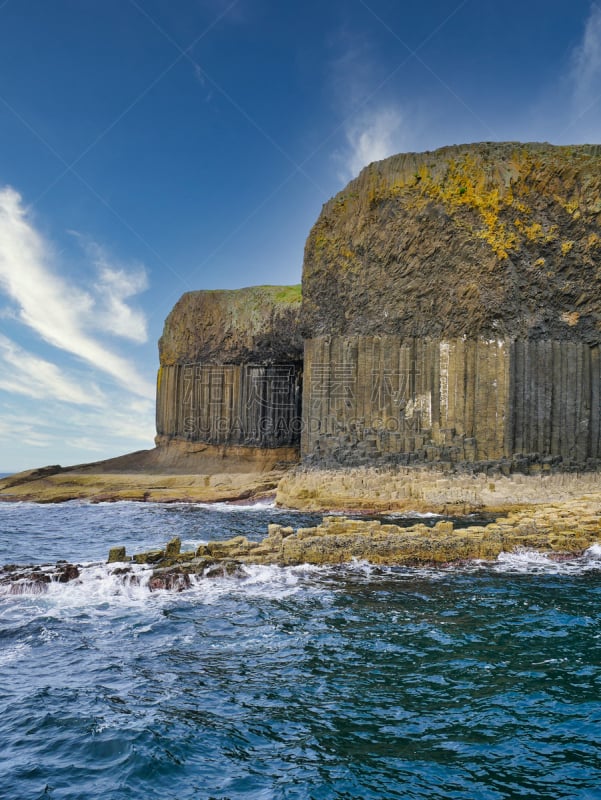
{"points": [[230, 326]]}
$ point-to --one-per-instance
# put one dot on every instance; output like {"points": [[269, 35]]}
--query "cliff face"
{"points": [[452, 309], [451, 313], [231, 369], [486, 240], [374, 398], [257, 325]]}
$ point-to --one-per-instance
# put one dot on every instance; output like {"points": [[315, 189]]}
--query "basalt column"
{"points": [[372, 398], [376, 399]]}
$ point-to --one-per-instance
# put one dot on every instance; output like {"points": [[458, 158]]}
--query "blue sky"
{"points": [[150, 147]]}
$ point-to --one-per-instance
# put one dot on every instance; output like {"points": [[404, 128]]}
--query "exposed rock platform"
{"points": [[561, 529], [424, 489], [174, 472]]}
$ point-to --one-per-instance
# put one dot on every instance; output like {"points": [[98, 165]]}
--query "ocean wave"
{"points": [[260, 505], [101, 586], [531, 562]]}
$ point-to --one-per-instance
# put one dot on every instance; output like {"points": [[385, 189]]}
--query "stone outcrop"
{"points": [[257, 325], [562, 528], [452, 310], [230, 368]]}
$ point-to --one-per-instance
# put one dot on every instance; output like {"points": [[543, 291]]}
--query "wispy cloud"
{"points": [[586, 67], [115, 284], [375, 121], [371, 137], [78, 433], [570, 111], [64, 315], [26, 374]]}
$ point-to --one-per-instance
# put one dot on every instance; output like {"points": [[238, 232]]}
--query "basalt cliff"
{"points": [[451, 315], [448, 333], [452, 310]]}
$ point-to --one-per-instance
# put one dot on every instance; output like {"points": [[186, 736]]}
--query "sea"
{"points": [[481, 680]]}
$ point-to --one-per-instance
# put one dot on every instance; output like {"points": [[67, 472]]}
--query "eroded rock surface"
{"points": [[561, 528], [452, 309], [494, 240]]}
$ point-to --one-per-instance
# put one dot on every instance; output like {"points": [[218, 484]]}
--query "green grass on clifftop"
{"points": [[285, 294]]}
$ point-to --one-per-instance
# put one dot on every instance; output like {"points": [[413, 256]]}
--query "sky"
{"points": [[153, 147]]}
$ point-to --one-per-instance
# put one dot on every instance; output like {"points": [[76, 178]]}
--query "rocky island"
{"points": [[443, 355]]}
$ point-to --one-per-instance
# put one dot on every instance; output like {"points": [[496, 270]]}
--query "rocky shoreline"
{"points": [[358, 489], [560, 530], [174, 472], [557, 513], [99, 488]]}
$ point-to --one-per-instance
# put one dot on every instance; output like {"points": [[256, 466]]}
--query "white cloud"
{"points": [[118, 423], [62, 314], [374, 122], [586, 69], [72, 434], [570, 111], [25, 374], [114, 287], [116, 284], [371, 137]]}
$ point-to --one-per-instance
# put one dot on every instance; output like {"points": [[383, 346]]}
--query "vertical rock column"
{"points": [[374, 398], [256, 406], [555, 404]]}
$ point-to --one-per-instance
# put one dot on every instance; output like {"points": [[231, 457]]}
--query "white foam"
{"points": [[593, 552], [526, 561], [103, 589], [262, 505], [412, 514], [13, 653], [253, 580], [97, 584]]}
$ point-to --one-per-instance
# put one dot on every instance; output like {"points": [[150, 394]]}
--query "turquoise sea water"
{"points": [[482, 681]]}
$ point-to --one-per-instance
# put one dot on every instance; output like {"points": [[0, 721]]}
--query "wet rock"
{"points": [[170, 580], [116, 554], [224, 569], [173, 547], [36, 579], [68, 573]]}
